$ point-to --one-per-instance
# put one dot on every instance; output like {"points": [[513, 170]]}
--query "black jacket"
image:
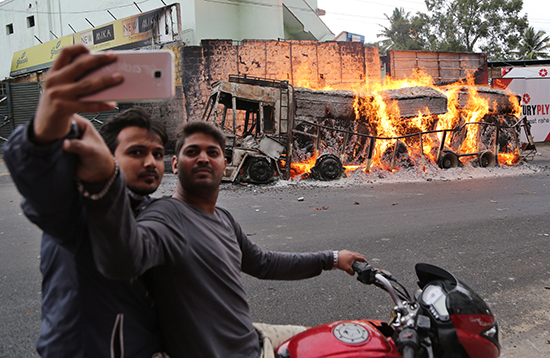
{"points": [[83, 313]]}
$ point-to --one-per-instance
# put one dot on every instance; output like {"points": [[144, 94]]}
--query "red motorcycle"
{"points": [[444, 319]]}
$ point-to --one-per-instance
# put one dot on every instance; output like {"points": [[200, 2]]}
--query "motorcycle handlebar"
{"points": [[408, 339], [365, 272], [369, 275]]}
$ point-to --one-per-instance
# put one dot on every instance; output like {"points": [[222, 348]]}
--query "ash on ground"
{"points": [[416, 174], [540, 163]]}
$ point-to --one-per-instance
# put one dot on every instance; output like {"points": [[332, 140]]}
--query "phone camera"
{"points": [[157, 74]]}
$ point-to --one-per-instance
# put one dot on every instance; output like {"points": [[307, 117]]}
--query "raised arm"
{"points": [[42, 172], [113, 228], [44, 175]]}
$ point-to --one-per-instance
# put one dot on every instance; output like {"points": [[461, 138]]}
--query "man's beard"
{"points": [[143, 191], [146, 189], [195, 185]]}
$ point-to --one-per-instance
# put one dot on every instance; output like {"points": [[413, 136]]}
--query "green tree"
{"points": [[402, 33], [492, 26], [533, 45]]}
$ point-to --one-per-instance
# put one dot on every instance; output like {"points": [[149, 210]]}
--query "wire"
{"points": [[543, 21], [346, 15], [70, 12]]}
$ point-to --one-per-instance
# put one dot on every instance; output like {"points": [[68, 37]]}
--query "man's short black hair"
{"points": [[132, 117], [193, 127]]}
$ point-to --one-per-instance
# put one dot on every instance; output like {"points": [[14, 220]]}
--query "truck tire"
{"points": [[327, 167], [259, 170]]}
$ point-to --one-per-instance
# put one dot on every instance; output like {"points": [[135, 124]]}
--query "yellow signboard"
{"points": [[38, 57], [130, 32]]}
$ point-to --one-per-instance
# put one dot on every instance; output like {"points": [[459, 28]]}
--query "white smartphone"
{"points": [[148, 76]]}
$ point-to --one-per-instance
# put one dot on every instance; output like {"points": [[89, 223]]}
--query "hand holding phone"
{"points": [[62, 90], [148, 76]]}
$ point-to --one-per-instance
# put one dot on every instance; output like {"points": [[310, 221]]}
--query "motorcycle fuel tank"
{"points": [[341, 339]]}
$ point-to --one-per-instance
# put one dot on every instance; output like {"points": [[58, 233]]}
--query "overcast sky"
{"points": [[364, 17]]}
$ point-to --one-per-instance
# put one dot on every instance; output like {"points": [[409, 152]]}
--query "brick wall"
{"points": [[302, 63], [335, 64]]}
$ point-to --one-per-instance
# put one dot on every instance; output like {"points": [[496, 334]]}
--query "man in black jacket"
{"points": [[83, 313]]}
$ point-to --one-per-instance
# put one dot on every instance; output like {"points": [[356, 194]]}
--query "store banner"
{"points": [[124, 34], [128, 33], [532, 84], [39, 57]]}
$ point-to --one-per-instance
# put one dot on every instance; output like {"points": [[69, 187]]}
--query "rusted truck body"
{"points": [[258, 117], [273, 128], [258, 127]]}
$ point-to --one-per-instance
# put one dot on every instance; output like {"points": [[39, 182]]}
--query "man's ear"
{"points": [[175, 164], [225, 167]]}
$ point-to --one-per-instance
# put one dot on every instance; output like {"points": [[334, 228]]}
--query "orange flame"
{"points": [[304, 167], [371, 107], [508, 158]]}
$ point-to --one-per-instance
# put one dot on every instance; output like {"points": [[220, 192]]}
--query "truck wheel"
{"points": [[260, 170], [486, 159], [448, 160], [327, 167]]}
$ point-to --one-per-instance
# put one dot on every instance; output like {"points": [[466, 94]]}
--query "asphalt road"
{"points": [[491, 232]]}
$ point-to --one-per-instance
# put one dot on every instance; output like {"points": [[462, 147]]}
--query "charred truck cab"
{"points": [[257, 120], [258, 117]]}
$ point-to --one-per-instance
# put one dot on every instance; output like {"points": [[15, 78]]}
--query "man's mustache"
{"points": [[202, 167], [148, 173]]}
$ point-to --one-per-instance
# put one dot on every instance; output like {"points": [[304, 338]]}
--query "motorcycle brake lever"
{"points": [[386, 274]]}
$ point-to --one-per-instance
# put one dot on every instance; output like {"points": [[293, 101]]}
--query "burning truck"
{"points": [[275, 130]]}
